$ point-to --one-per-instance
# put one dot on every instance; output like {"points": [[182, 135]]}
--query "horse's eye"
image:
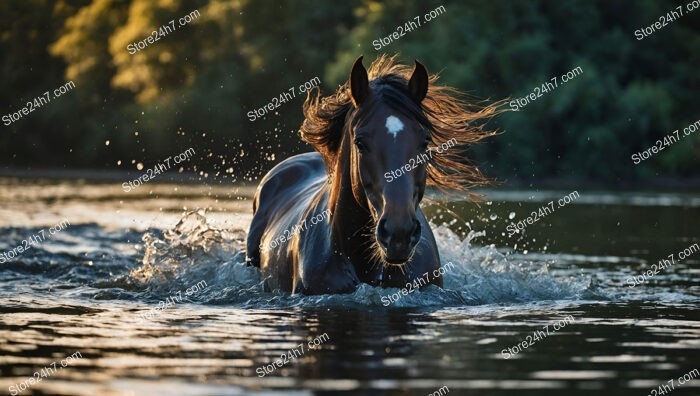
{"points": [[361, 145], [424, 145]]}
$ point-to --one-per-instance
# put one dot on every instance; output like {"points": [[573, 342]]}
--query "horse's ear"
{"points": [[418, 84], [359, 82]]}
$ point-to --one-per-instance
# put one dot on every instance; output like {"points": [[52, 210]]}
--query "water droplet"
{"points": [[493, 217], [511, 215]]}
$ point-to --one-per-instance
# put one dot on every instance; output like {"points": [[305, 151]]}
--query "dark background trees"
{"points": [[194, 86]]}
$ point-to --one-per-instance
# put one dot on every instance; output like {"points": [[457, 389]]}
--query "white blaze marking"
{"points": [[394, 125]]}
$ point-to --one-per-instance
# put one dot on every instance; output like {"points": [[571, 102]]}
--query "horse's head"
{"points": [[378, 129], [389, 158]]}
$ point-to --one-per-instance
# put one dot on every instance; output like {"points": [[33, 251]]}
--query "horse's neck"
{"points": [[349, 217], [352, 228]]}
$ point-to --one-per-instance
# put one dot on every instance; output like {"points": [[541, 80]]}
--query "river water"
{"points": [[146, 293]]}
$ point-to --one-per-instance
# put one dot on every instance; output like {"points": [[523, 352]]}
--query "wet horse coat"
{"points": [[376, 232]]}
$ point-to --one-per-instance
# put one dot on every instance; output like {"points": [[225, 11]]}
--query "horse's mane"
{"points": [[444, 113]]}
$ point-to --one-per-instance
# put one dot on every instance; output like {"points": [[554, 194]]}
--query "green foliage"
{"points": [[194, 86]]}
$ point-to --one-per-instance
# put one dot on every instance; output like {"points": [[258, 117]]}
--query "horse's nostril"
{"points": [[398, 240], [382, 226], [415, 235], [382, 234]]}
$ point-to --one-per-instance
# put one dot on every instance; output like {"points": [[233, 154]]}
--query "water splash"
{"points": [[194, 251]]}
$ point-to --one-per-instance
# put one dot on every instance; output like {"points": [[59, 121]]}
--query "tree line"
{"points": [[193, 84]]}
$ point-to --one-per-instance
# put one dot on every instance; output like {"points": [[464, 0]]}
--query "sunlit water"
{"points": [[152, 290]]}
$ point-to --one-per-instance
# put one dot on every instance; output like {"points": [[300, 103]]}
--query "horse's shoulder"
{"points": [[290, 178], [300, 164]]}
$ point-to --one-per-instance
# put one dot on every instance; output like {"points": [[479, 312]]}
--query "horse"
{"points": [[326, 221]]}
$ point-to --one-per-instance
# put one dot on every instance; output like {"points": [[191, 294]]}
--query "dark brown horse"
{"points": [[328, 220]]}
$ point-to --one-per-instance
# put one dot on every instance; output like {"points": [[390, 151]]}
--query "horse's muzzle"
{"points": [[398, 240]]}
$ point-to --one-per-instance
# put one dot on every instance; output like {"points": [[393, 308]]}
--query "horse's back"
{"points": [[282, 192]]}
